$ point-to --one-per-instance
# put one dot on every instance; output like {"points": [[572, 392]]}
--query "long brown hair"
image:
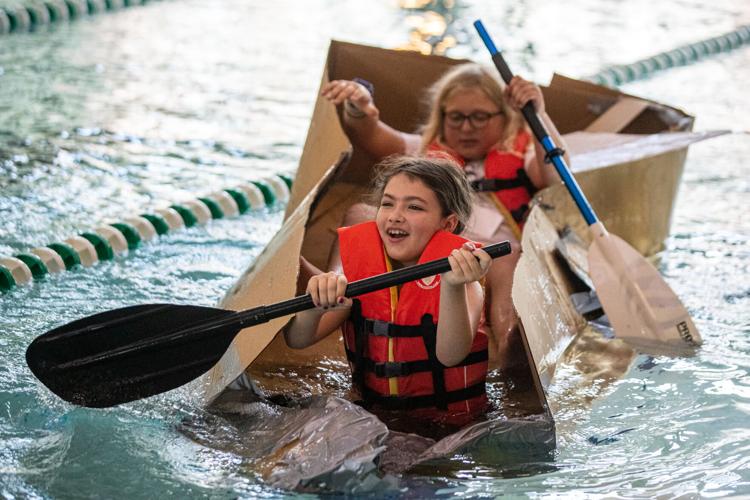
{"points": [[443, 176], [462, 77]]}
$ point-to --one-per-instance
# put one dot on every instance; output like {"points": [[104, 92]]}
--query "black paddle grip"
{"points": [[263, 314], [412, 273], [528, 109]]}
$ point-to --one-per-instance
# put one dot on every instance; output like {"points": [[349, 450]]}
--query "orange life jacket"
{"points": [[391, 335], [504, 175]]}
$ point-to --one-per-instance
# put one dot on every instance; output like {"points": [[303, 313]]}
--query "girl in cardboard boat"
{"points": [[312, 433], [421, 348], [475, 120]]}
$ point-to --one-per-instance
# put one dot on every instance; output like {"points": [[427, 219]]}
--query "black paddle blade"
{"points": [[135, 352], [130, 353]]}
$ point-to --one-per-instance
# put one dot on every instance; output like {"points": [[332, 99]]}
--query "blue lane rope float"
{"points": [[109, 240], [18, 16], [619, 74]]}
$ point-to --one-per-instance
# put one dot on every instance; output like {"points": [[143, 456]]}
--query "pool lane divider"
{"points": [[20, 16], [619, 74], [109, 240]]}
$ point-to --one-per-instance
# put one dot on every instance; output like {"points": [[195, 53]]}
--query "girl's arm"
{"points": [[331, 309], [519, 93], [362, 121], [461, 302]]}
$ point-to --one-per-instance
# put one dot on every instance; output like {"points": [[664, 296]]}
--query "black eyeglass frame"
{"points": [[483, 116]]}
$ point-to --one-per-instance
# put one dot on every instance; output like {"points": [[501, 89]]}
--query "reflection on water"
{"points": [[430, 23]]}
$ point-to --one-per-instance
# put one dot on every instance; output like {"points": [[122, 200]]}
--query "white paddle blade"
{"points": [[640, 305]]}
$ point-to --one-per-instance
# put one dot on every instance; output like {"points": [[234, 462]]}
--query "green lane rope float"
{"points": [[213, 207], [68, 254], [34, 263], [188, 217], [619, 74], [7, 281], [18, 16], [101, 246], [109, 240]]}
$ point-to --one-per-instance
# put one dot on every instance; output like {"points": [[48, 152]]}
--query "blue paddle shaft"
{"points": [[540, 132]]}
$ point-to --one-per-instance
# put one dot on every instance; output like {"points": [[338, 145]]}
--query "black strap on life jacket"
{"points": [[522, 179], [436, 367], [405, 368], [381, 328], [496, 184], [526, 180], [428, 331]]}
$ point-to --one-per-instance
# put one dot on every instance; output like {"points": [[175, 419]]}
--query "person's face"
{"points": [[408, 216], [470, 141]]}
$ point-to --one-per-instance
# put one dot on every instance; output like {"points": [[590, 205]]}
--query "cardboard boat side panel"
{"points": [[271, 278], [655, 118], [541, 297], [634, 199]]}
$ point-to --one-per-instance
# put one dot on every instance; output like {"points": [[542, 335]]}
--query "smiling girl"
{"points": [[421, 346], [474, 119]]}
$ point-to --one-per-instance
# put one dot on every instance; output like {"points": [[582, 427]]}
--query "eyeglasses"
{"points": [[477, 119]]}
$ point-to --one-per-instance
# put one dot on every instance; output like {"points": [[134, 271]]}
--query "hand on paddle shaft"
{"points": [[135, 352], [640, 305]]}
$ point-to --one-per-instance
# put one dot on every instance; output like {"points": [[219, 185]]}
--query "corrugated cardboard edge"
{"points": [[633, 197], [272, 277], [268, 280], [647, 174], [541, 298], [598, 100]]}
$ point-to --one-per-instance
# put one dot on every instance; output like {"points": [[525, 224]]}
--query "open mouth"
{"points": [[396, 234]]}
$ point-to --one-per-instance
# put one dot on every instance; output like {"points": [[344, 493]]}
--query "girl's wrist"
{"points": [[314, 313], [454, 289], [352, 111]]}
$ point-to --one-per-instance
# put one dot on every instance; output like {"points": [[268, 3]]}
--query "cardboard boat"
{"points": [[626, 153]]}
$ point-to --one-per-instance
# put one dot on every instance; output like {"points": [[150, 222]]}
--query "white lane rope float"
{"points": [[109, 240]]}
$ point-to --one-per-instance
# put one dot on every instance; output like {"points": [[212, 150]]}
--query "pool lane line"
{"points": [[22, 16], [109, 240], [619, 74]]}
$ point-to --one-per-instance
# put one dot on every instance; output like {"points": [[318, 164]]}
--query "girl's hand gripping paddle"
{"points": [[641, 307]]}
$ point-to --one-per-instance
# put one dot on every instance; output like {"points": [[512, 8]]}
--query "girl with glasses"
{"points": [[474, 119]]}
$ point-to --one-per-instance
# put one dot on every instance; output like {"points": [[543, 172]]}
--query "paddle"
{"points": [[641, 307], [138, 351]]}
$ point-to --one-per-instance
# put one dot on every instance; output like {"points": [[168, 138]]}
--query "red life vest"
{"points": [[504, 175], [391, 335]]}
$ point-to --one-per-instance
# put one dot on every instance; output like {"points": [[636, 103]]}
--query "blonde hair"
{"points": [[442, 175], [469, 76]]}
